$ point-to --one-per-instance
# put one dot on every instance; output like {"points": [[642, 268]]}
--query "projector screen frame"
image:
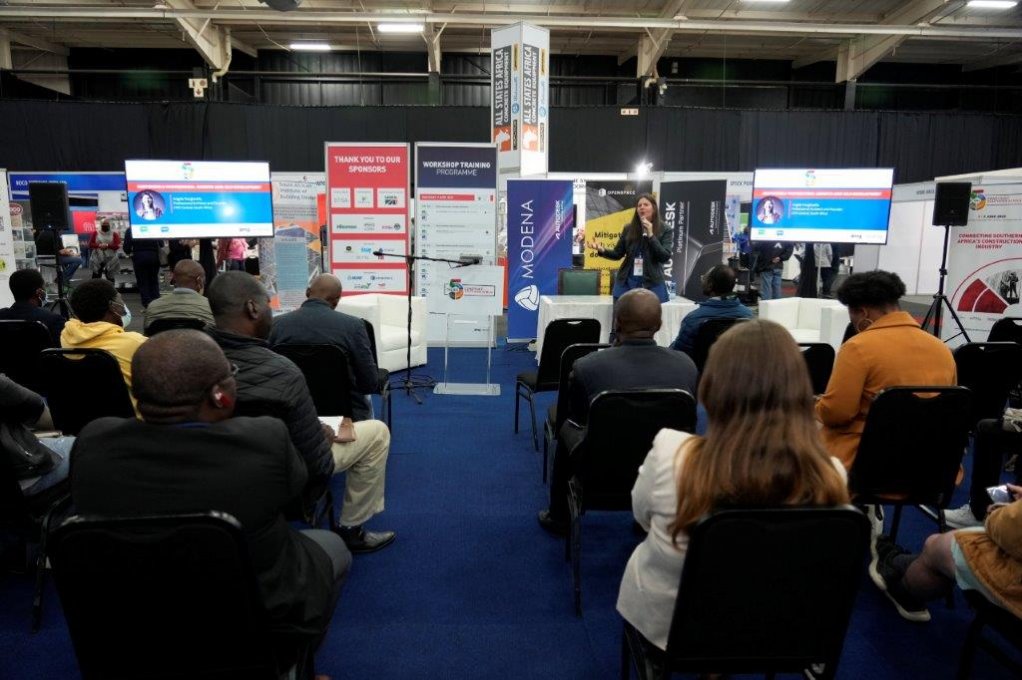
{"points": [[267, 230], [800, 232]]}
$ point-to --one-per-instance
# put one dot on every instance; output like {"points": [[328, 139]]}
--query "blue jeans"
{"points": [[622, 287], [770, 285], [71, 265]]}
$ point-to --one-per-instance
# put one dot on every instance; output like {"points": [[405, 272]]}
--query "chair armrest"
{"points": [[833, 323], [419, 312], [783, 311], [367, 309]]}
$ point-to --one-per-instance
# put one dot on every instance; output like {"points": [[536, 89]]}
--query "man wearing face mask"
{"points": [[29, 292], [101, 318], [888, 349], [103, 246]]}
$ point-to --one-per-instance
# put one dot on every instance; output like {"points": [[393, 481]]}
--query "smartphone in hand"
{"points": [[1000, 494]]}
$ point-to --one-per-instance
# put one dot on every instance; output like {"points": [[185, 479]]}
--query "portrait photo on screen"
{"points": [[770, 210], [148, 205]]}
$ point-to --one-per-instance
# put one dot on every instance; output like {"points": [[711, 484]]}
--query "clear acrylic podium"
{"points": [[458, 325]]}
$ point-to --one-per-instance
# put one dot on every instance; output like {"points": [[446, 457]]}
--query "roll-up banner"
{"points": [[695, 211], [8, 261], [985, 261], [540, 220], [293, 257], [367, 208], [520, 98], [609, 206], [455, 217]]}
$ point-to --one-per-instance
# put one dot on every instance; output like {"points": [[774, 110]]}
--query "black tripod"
{"points": [[935, 312], [60, 305], [411, 384]]}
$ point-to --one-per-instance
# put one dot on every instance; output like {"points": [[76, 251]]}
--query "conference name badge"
{"points": [[637, 267]]}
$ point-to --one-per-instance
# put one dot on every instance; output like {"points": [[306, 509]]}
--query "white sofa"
{"points": [[808, 319], [389, 316]]}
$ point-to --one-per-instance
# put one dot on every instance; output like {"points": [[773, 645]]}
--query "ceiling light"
{"points": [[393, 27], [310, 47], [992, 4]]}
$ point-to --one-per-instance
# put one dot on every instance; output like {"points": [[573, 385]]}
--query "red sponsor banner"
{"points": [[447, 197], [367, 202], [84, 221], [871, 194]]}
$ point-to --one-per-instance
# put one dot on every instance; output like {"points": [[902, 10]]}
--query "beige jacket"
{"points": [[995, 555]]}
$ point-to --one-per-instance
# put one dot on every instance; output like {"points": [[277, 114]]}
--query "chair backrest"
{"points": [[173, 323], [571, 354], [706, 335], [622, 425], [327, 373], [819, 358], [22, 342], [991, 370], [14, 508], [849, 333], [1007, 329], [784, 610], [164, 597], [559, 334], [72, 376], [371, 332], [578, 281], [912, 444]]}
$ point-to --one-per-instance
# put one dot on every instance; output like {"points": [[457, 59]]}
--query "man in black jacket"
{"points": [[770, 260], [270, 384], [636, 361], [189, 455], [29, 292], [145, 260]]}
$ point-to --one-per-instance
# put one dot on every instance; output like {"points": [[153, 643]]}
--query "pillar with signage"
{"points": [[520, 98]]}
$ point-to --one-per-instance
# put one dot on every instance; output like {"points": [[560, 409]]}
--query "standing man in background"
{"points": [[145, 258], [770, 263]]}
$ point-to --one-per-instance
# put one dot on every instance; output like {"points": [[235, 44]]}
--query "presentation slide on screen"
{"points": [[175, 199], [835, 206]]}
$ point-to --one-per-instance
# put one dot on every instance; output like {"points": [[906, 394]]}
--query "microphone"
{"points": [[466, 260], [378, 253]]}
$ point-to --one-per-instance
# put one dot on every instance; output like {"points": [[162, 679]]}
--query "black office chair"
{"points": [[82, 385], [620, 432], [819, 358], [991, 370], [559, 334], [384, 379], [1006, 329], [785, 611], [29, 519], [170, 596], [1003, 622], [558, 412], [849, 333], [173, 323], [572, 281], [706, 335], [327, 373], [22, 343], [911, 449]]}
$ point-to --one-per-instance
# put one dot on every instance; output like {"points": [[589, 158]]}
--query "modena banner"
{"points": [[456, 215], [695, 211], [520, 98], [367, 211], [985, 262], [540, 220], [609, 206]]}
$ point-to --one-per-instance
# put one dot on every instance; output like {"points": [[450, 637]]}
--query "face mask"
{"points": [[126, 317]]}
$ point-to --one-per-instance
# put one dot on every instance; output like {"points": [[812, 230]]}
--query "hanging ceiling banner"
{"points": [[520, 98]]}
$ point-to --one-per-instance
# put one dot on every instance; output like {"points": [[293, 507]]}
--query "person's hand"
{"points": [[647, 227], [328, 432], [776, 260], [593, 245], [1015, 491]]}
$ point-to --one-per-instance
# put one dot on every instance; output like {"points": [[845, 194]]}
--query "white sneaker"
{"points": [[875, 515], [961, 518]]}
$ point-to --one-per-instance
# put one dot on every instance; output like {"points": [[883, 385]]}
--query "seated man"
{"points": [[268, 382], [635, 361], [29, 292], [987, 560], [722, 303], [317, 322], [101, 318], [48, 244], [188, 454], [186, 302], [40, 465]]}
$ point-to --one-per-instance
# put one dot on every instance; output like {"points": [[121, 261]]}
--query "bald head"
{"points": [[180, 376], [325, 287], [189, 274], [240, 304], [637, 315]]}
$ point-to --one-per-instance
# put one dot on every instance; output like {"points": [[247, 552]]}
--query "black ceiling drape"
{"points": [[38, 135]]}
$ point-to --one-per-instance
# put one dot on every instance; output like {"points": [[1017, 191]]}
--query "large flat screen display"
{"points": [[182, 199], [822, 206]]}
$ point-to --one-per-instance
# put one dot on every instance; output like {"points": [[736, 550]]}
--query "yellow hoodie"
{"points": [[102, 335]]}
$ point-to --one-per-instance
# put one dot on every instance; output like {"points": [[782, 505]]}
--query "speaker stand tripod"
{"points": [[60, 305], [935, 312]]}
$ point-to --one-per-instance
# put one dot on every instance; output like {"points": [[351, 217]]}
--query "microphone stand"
{"points": [[409, 385]]}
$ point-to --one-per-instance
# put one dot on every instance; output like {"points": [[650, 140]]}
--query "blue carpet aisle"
{"points": [[473, 588]]}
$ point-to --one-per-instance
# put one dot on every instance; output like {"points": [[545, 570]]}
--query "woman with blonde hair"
{"points": [[762, 449]]}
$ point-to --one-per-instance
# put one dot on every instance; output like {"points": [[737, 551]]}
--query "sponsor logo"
{"points": [[187, 171], [16, 209], [977, 200], [810, 178], [528, 298], [455, 290]]}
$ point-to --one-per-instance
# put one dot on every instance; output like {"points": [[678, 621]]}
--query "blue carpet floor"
{"points": [[473, 588]]}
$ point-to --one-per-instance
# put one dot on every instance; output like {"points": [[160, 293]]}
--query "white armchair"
{"points": [[808, 319], [389, 316]]}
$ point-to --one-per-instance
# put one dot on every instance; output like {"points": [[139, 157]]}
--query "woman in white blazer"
{"points": [[762, 448]]}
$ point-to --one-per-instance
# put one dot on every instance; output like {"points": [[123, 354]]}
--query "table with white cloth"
{"points": [[601, 308]]}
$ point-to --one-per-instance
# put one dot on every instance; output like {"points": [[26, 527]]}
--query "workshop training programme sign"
{"points": [[367, 210], [455, 216]]}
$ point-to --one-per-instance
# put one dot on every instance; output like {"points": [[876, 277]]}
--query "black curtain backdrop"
{"points": [[38, 135]]}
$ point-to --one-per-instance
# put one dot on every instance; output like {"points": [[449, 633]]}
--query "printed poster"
{"points": [[293, 257], [695, 211]]}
